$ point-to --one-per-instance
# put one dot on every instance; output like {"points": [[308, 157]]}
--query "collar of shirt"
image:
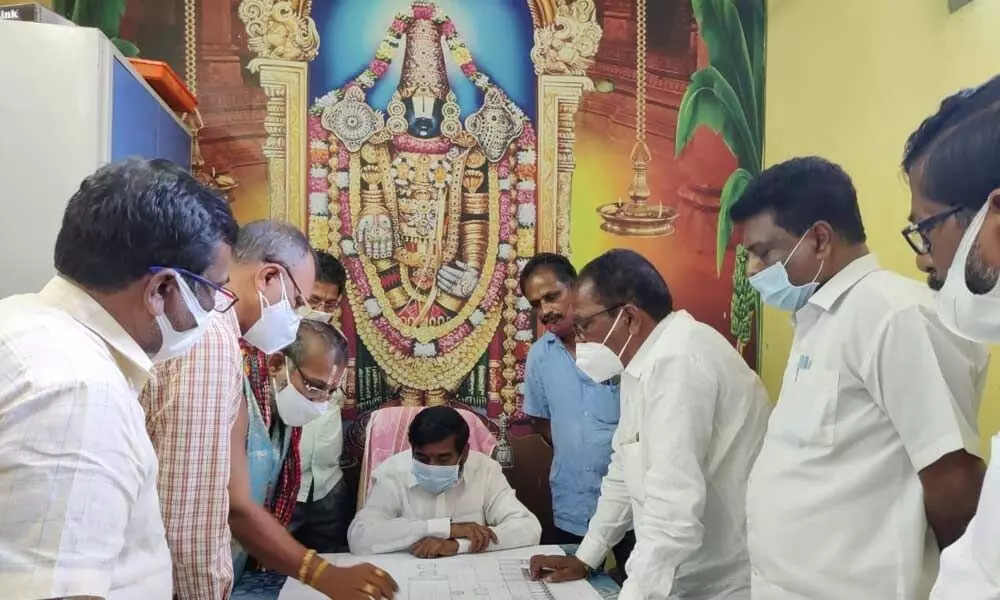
{"points": [[65, 295], [838, 285], [646, 354]]}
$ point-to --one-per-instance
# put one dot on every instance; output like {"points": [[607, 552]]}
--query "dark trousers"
{"points": [[321, 524], [621, 551]]}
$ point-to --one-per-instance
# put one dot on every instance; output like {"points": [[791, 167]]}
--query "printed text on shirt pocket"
{"points": [[807, 408]]}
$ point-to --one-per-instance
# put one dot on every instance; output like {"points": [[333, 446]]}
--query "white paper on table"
{"points": [[499, 575]]}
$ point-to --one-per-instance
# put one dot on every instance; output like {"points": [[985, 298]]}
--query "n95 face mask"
{"points": [[295, 409], [176, 343], [599, 362], [277, 326], [972, 316]]}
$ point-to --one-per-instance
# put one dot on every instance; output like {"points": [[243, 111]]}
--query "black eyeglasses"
{"points": [[581, 325], [300, 298], [314, 391], [224, 298], [916, 234]]}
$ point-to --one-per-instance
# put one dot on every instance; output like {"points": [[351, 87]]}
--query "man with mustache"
{"points": [[575, 414], [951, 162]]}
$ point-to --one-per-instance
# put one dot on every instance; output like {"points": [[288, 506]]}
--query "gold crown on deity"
{"points": [[423, 61]]}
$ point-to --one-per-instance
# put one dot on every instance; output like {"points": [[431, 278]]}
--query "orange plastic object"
{"points": [[167, 84]]}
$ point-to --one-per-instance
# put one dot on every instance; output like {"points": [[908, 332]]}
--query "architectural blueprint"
{"points": [[490, 576]]}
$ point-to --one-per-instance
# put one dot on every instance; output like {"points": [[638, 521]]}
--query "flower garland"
{"points": [[329, 197]]}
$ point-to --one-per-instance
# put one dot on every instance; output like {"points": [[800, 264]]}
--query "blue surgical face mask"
{"points": [[775, 288], [435, 478]]}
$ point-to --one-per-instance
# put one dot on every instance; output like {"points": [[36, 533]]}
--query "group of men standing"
{"points": [[155, 401], [162, 395], [868, 466]]}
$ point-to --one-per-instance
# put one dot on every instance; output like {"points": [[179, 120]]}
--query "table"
{"points": [[267, 585]]}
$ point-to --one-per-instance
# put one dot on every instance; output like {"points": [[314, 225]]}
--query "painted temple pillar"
{"points": [[220, 62], [232, 138]]}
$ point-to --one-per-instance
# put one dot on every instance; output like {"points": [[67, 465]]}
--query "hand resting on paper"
{"points": [[479, 536], [360, 582], [432, 547], [557, 569]]}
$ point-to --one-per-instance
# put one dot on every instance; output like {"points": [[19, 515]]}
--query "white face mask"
{"points": [[295, 409], [599, 362], [176, 343], [316, 315], [972, 316], [278, 323]]}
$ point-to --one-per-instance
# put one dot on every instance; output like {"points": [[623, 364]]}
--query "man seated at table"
{"points": [[440, 498]]}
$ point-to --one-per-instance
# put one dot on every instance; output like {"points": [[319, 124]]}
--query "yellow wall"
{"points": [[849, 80]]}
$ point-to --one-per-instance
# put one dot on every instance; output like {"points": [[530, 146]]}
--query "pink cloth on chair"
{"points": [[386, 435]]}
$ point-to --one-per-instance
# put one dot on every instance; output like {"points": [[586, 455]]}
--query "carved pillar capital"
{"points": [[284, 83], [559, 100]]}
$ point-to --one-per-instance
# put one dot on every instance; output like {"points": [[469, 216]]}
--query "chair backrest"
{"points": [[386, 435]]}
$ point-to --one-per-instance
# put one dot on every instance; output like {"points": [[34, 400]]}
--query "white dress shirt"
{"points": [[876, 389], [970, 568], [79, 513], [320, 448], [399, 513], [693, 418]]}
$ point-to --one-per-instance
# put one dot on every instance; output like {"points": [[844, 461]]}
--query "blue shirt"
{"points": [[583, 415]]}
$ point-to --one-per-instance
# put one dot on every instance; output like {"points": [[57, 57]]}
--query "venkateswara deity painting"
{"points": [[424, 173], [435, 145]]}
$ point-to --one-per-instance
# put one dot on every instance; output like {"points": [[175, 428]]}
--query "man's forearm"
{"points": [[266, 539], [380, 536], [517, 532]]}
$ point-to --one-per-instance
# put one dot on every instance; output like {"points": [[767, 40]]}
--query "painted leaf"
{"points": [[710, 101], [754, 22], [719, 25], [63, 7], [731, 192], [105, 15], [127, 48]]}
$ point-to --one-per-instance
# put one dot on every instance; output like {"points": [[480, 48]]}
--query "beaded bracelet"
{"points": [[306, 562]]}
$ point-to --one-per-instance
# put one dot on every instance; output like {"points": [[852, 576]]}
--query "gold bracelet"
{"points": [[315, 576], [306, 561]]}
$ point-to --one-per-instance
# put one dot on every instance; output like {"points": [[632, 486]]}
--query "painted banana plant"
{"points": [[727, 96], [105, 15]]}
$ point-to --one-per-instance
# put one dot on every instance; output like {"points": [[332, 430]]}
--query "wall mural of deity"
{"points": [[432, 176], [435, 145], [431, 215]]}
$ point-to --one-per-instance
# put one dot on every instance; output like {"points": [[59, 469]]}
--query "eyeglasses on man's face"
{"points": [[210, 295], [317, 391], [582, 324], [917, 235], [300, 300]]}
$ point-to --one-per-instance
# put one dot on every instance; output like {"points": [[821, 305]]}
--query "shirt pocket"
{"points": [[601, 405], [634, 470], [807, 407]]}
